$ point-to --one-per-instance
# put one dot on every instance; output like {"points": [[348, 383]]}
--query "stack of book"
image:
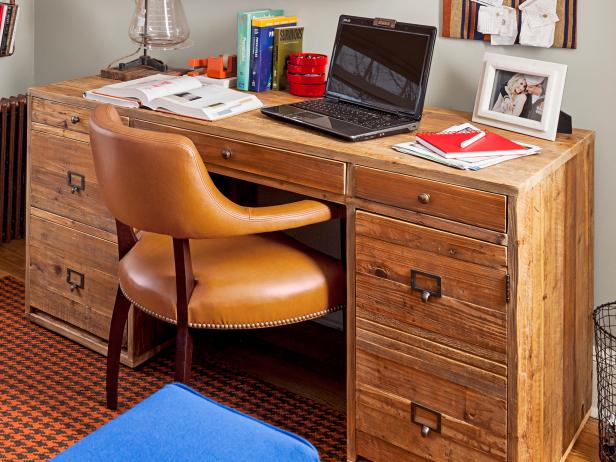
{"points": [[8, 26], [466, 147], [266, 38]]}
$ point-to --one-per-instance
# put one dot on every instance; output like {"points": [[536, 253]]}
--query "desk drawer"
{"points": [[456, 203], [469, 403], [466, 322], [314, 172], [58, 252], [389, 429], [62, 116], [55, 159]]}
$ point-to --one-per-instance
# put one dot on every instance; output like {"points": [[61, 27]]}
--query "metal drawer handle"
{"points": [[424, 198], [426, 283], [75, 119], [75, 186], [70, 279], [428, 419], [226, 153]]}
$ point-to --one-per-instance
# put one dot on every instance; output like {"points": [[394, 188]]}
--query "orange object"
{"points": [[216, 67], [197, 62]]}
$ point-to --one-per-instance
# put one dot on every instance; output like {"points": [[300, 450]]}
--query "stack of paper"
{"points": [[471, 163]]}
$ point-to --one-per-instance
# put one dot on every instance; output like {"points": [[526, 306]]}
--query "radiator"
{"points": [[13, 139]]}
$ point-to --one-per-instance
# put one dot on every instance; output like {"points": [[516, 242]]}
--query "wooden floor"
{"points": [[290, 357], [12, 259]]}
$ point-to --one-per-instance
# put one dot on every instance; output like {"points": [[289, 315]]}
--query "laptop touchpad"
{"points": [[330, 123]]}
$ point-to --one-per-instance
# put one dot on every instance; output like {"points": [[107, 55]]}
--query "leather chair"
{"points": [[200, 260]]}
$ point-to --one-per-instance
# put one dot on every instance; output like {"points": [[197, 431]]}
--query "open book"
{"points": [[188, 96]]}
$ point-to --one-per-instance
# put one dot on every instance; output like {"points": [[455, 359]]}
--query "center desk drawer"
{"points": [[456, 203], [73, 276], [63, 181], [314, 172]]}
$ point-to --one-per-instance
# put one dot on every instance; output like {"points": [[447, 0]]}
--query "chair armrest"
{"points": [[289, 216]]}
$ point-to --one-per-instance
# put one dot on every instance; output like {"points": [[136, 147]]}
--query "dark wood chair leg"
{"points": [[185, 284], [116, 333], [183, 355]]}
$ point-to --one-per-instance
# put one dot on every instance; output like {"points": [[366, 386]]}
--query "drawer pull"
{"points": [[75, 119], [428, 419], [75, 186], [72, 277], [226, 153], [424, 198], [426, 283]]}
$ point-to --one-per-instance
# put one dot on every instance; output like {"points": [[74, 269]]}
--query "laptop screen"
{"points": [[382, 67]]}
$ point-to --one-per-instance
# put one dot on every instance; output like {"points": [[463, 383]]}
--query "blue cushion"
{"points": [[178, 424]]}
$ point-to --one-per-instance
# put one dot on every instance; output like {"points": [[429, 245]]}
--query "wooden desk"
{"points": [[502, 359]]}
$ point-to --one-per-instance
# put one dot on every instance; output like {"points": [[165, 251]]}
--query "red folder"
{"points": [[448, 145]]}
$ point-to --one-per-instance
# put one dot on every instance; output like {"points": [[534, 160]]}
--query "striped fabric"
{"points": [[460, 21]]}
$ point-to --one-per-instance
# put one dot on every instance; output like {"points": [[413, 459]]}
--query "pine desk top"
{"points": [[506, 178]]}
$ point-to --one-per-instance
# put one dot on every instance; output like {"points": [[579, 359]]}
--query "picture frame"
{"points": [[521, 95]]}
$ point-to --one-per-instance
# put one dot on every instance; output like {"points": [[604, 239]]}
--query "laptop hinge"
{"points": [[383, 22]]}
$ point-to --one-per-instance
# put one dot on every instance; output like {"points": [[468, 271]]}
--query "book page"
{"points": [[149, 88], [207, 100]]}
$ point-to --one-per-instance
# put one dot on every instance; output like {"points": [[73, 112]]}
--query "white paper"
{"points": [[539, 20], [497, 20], [489, 2]]}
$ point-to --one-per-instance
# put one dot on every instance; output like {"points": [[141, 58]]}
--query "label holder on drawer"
{"points": [[70, 280], [75, 186], [435, 289], [428, 419]]}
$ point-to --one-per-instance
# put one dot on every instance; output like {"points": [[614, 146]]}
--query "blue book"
{"points": [[244, 38], [262, 49]]}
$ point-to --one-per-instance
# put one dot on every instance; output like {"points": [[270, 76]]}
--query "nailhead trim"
{"points": [[255, 325]]}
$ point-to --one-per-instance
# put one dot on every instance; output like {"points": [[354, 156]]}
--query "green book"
{"points": [[287, 41], [244, 36]]}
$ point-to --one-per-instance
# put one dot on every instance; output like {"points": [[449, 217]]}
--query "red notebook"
{"points": [[448, 145]]}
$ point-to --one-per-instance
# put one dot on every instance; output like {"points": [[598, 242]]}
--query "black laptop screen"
{"points": [[381, 67]]}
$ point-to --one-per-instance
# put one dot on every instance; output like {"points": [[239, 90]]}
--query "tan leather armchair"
{"points": [[201, 261]]}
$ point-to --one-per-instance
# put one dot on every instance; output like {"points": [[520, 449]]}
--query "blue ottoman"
{"points": [[178, 424]]}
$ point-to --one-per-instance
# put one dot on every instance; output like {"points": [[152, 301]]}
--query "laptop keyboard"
{"points": [[350, 113]]}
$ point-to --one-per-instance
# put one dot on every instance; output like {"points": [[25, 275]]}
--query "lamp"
{"points": [[158, 24]]}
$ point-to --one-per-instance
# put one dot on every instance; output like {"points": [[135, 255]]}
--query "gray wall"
{"points": [[17, 71], [78, 37]]}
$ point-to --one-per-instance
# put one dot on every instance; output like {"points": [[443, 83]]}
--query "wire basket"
{"points": [[605, 344]]}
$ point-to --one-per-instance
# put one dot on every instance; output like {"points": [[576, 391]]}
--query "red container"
{"points": [[306, 74], [299, 89]]}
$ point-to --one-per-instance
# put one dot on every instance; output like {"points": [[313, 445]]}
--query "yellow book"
{"points": [[273, 21]]}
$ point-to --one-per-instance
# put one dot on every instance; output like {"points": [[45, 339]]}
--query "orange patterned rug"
{"points": [[52, 391]]}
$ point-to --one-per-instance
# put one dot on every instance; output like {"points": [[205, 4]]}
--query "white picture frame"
{"points": [[493, 103]]}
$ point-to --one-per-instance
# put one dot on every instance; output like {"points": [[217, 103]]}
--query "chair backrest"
{"points": [[157, 182]]}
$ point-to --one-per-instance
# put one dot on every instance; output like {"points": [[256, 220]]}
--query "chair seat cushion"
{"points": [[242, 282], [177, 424]]}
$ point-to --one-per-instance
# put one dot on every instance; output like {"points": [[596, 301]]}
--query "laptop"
{"points": [[377, 81]]}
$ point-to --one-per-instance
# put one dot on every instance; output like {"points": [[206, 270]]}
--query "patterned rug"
{"points": [[52, 391]]}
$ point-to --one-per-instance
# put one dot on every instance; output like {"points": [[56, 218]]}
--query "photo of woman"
{"points": [[511, 97]]}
